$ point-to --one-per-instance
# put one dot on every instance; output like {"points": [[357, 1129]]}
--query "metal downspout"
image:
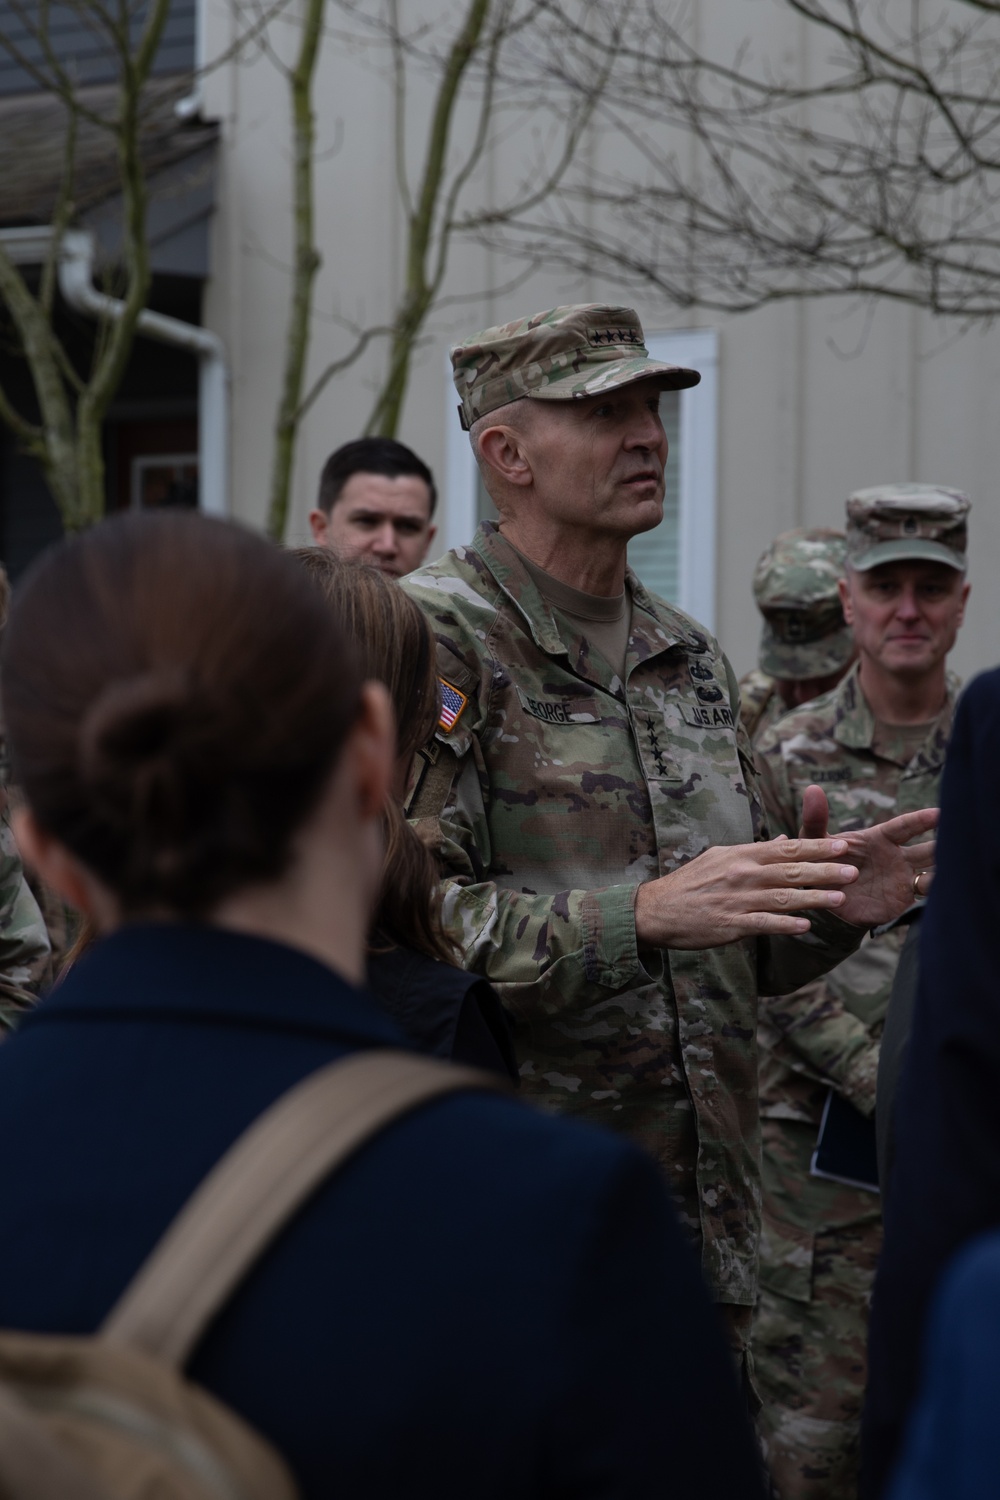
{"points": [[76, 283]]}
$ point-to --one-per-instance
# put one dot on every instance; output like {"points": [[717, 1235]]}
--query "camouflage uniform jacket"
{"points": [[564, 788], [24, 944], [828, 1034], [760, 703]]}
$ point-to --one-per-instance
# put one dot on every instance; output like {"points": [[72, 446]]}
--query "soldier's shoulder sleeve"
{"points": [[745, 752], [756, 691], [815, 1034], [459, 599], [462, 710], [772, 753]]}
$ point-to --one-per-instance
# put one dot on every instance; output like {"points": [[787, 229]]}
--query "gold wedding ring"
{"points": [[916, 882]]}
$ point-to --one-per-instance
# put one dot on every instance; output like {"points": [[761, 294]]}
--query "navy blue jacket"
{"points": [[951, 1450], [945, 1180], [485, 1302]]}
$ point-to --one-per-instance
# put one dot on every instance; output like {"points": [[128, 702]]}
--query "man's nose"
{"points": [[385, 539], [908, 606], [646, 432]]}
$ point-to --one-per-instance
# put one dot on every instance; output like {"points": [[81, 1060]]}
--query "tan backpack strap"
{"points": [[32, 1462], [251, 1193]]}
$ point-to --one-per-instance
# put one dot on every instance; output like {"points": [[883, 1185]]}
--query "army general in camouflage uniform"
{"points": [[805, 644], [589, 750], [876, 746]]}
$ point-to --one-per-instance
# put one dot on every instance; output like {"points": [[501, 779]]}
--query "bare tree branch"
{"points": [[307, 264], [881, 179], [418, 292], [73, 405], [338, 366]]}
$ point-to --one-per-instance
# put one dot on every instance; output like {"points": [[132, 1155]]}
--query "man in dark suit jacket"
{"points": [[484, 1302], [945, 1174]]}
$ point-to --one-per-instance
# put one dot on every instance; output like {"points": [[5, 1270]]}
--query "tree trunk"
{"points": [[307, 263]]}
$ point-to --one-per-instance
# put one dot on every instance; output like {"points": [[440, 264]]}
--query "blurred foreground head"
{"points": [[391, 640], [177, 704], [395, 647]]}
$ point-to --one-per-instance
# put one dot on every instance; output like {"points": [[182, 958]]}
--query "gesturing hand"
{"points": [[743, 890], [886, 870], [748, 889]]}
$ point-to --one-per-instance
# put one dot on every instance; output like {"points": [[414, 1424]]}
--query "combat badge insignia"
{"points": [[452, 704]]}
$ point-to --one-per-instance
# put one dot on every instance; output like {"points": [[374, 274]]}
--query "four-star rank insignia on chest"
{"points": [[452, 704]]}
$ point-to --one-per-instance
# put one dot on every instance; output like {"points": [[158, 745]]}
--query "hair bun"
{"points": [[136, 743], [175, 701]]}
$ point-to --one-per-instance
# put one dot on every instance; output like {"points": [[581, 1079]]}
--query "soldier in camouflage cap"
{"points": [[876, 746], [906, 522], [567, 353], [589, 748], [805, 644]]}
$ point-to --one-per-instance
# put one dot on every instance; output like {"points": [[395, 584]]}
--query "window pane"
{"points": [[655, 555]]}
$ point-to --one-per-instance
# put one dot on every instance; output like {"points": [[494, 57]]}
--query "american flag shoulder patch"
{"points": [[452, 704]]}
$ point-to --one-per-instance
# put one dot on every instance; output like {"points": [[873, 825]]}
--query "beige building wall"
{"points": [[813, 400]]}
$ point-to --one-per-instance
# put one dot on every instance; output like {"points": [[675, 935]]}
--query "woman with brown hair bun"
{"points": [[485, 1301], [411, 962]]}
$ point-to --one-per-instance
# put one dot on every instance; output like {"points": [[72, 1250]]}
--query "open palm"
{"points": [[886, 860]]}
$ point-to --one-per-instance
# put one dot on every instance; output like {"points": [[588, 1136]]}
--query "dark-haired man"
{"points": [[375, 503]]}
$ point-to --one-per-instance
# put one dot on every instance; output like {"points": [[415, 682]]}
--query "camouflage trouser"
{"points": [[819, 1250]]}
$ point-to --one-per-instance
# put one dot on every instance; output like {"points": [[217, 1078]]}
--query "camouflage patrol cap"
{"points": [[894, 522], [795, 586], [557, 355]]}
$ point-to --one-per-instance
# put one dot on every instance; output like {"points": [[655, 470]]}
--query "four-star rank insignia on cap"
{"points": [[452, 704]]}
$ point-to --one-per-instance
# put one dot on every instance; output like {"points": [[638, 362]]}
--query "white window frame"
{"points": [[143, 461], [697, 349]]}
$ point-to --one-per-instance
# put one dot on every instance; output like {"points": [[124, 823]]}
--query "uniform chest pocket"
{"points": [[684, 740], [656, 747]]}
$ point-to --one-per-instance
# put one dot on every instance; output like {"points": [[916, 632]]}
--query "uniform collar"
{"points": [[855, 726], [655, 626], [184, 971]]}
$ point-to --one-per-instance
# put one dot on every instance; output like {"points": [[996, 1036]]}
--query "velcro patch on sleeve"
{"points": [[452, 705]]}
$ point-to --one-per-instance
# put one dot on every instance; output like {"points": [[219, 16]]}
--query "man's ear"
{"points": [[503, 449], [373, 747], [846, 601], [966, 586], [319, 525], [60, 868]]}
